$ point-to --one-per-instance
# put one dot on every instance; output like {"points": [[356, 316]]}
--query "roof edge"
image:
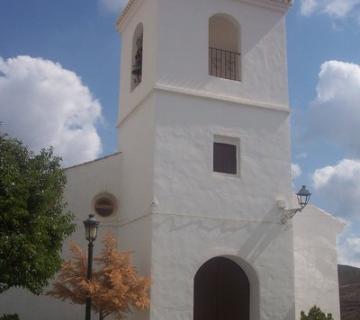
{"points": [[93, 161], [341, 223], [124, 13]]}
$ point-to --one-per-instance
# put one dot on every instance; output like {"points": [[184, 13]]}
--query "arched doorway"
{"points": [[221, 291]]}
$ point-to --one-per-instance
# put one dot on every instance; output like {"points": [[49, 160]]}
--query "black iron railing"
{"points": [[224, 64]]}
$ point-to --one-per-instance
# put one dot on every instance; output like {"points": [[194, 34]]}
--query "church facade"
{"points": [[203, 163]]}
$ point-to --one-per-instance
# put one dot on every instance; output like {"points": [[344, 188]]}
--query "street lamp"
{"points": [[91, 226], [303, 197]]}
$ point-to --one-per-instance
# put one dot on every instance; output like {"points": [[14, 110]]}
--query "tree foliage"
{"points": [[34, 223], [115, 287], [315, 313], [9, 317]]}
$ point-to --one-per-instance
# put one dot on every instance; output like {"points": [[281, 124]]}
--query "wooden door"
{"points": [[221, 291]]}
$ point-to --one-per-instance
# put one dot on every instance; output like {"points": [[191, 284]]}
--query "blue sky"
{"points": [[73, 48]]}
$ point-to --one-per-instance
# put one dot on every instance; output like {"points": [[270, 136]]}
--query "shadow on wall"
{"points": [[262, 236]]}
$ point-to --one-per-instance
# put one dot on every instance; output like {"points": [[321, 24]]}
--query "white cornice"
{"points": [[282, 5], [203, 95], [215, 96], [127, 12]]}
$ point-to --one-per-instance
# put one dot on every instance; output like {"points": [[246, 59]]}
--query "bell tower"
{"points": [[204, 134]]}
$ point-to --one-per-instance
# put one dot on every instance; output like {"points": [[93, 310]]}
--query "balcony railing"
{"points": [[224, 64]]}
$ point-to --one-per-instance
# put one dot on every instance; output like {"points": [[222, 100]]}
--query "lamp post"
{"points": [[303, 197], [91, 226]]}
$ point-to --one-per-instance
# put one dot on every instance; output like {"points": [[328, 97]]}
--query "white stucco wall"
{"points": [[176, 46], [181, 244], [146, 13], [183, 46], [136, 142], [200, 214], [86, 181], [184, 179], [316, 274]]}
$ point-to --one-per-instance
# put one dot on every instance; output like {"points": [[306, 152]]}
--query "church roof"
{"points": [[349, 285], [131, 3], [126, 9], [93, 161]]}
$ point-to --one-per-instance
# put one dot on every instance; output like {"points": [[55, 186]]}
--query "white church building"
{"points": [[202, 180]]}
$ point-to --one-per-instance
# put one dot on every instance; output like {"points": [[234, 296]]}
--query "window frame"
{"points": [[227, 140]]}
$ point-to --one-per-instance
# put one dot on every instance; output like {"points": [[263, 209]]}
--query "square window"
{"points": [[225, 158]]}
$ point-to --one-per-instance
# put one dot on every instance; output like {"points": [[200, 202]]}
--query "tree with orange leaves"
{"points": [[115, 287]]}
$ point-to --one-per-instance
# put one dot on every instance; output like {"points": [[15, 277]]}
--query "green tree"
{"points": [[9, 317], [315, 313], [34, 222]]}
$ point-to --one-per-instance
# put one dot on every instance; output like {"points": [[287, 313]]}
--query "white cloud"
{"points": [[350, 252], [308, 7], [335, 113], [340, 187], [44, 104], [334, 116], [349, 249], [333, 8], [295, 171], [113, 6]]}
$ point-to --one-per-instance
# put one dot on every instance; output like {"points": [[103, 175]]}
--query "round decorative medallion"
{"points": [[105, 205]]}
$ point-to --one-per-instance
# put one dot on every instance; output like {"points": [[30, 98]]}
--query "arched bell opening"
{"points": [[224, 47], [137, 56]]}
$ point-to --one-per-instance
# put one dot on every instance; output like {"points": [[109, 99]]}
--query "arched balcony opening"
{"points": [[137, 56], [224, 47], [221, 291]]}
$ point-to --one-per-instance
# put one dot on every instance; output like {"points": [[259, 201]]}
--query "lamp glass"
{"points": [[303, 196], [91, 226]]}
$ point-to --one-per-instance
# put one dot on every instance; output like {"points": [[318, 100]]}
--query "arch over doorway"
{"points": [[221, 291]]}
